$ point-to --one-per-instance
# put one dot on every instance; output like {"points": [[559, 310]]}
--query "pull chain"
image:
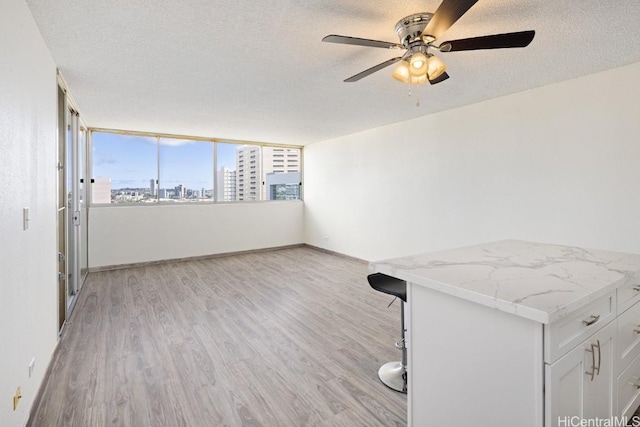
{"points": [[417, 97]]}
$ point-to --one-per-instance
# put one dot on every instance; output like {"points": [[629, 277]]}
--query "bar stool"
{"points": [[393, 374]]}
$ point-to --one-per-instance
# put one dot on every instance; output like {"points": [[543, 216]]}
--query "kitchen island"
{"points": [[520, 333]]}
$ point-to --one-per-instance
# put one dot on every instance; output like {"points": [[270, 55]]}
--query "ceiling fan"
{"points": [[417, 34]]}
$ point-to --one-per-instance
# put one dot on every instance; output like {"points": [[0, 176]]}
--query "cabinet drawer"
{"points": [[628, 295], [561, 336], [628, 389], [628, 336]]}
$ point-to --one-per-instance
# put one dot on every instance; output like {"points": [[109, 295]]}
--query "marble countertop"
{"points": [[537, 281]]}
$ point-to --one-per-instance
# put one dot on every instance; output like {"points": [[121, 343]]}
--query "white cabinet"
{"points": [[581, 383], [465, 355]]}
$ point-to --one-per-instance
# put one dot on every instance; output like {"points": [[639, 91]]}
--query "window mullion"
{"points": [[215, 172], [158, 169]]}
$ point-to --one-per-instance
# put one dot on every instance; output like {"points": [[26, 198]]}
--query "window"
{"points": [[237, 152], [281, 174], [186, 170], [123, 167], [150, 169]]}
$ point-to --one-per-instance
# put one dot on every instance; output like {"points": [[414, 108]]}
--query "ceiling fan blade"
{"points": [[442, 77], [372, 70], [361, 42], [446, 15], [496, 41]]}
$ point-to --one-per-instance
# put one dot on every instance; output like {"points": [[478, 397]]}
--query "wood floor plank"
{"points": [[289, 337]]}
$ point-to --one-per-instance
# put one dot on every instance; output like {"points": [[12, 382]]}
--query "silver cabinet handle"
{"points": [[635, 382], [593, 319], [595, 368], [593, 361], [636, 288], [599, 357], [636, 329]]}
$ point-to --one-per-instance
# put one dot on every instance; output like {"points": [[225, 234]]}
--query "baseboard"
{"points": [[341, 255], [193, 258], [43, 385], [224, 254]]}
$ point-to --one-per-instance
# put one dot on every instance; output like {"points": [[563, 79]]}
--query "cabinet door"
{"points": [[581, 382]]}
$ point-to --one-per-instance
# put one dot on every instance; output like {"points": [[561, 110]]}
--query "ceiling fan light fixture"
{"points": [[417, 34], [435, 67], [401, 72], [418, 64]]}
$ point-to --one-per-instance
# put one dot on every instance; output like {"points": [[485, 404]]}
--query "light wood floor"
{"points": [[292, 337]]}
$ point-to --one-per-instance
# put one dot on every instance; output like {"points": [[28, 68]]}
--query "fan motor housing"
{"points": [[411, 27]]}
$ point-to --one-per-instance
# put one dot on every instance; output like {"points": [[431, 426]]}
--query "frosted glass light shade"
{"points": [[418, 64], [418, 80], [435, 67], [401, 73]]}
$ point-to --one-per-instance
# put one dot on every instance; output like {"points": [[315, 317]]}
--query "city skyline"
{"points": [[131, 160]]}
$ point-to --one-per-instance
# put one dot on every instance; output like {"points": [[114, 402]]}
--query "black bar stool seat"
{"points": [[393, 374], [388, 285]]}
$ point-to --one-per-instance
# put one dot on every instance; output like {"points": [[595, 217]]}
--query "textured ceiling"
{"points": [[258, 70]]}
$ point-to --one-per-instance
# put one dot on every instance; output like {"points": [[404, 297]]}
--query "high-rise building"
{"points": [[280, 160], [253, 163], [283, 186], [180, 191], [101, 190], [226, 191], [152, 187], [285, 162], [248, 172]]}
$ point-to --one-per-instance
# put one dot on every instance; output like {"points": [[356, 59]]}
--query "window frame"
{"points": [[214, 141]]}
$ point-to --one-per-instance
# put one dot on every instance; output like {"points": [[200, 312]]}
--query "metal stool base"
{"points": [[393, 375]]}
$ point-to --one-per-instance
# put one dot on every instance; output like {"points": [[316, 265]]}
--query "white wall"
{"points": [[28, 286], [557, 164], [132, 234]]}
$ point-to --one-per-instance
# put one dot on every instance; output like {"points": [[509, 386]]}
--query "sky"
{"points": [[132, 161]]}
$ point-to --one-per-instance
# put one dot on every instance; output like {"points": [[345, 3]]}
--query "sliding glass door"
{"points": [[72, 215]]}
